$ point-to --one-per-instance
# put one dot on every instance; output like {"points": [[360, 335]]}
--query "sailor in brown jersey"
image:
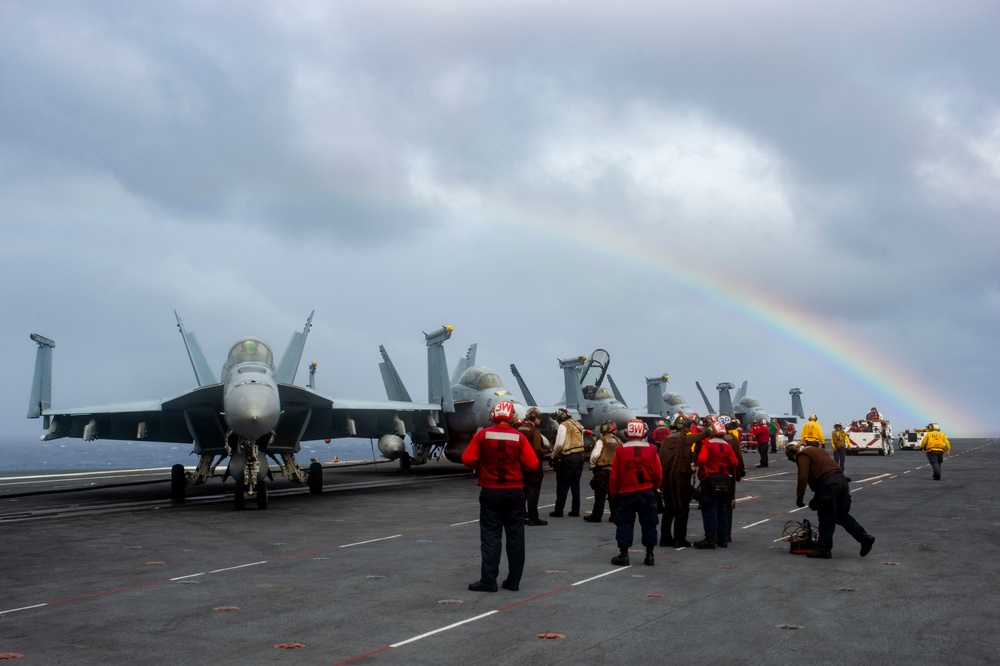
{"points": [[832, 498], [676, 460]]}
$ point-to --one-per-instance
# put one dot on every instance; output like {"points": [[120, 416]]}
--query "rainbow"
{"points": [[909, 400]]}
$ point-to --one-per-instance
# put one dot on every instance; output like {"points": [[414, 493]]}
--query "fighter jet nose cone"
{"points": [[252, 409]]}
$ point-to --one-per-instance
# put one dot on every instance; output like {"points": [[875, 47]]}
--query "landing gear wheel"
{"points": [[177, 483], [315, 478], [262, 495], [240, 499]]}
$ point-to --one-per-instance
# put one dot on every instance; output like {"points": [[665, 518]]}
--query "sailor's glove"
{"points": [[799, 501]]}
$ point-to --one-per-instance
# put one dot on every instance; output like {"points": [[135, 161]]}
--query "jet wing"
{"points": [[189, 417], [307, 415]]}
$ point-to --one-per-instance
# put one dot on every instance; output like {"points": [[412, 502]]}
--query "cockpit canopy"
{"points": [[480, 377], [673, 399], [250, 350], [750, 402]]}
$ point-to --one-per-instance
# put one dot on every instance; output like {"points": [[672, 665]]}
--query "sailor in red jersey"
{"points": [[716, 464], [635, 476], [499, 454]]}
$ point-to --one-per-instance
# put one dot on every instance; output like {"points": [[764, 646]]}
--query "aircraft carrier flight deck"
{"points": [[106, 570]]}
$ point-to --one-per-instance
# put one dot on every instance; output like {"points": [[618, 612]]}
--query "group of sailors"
{"points": [[645, 475]]}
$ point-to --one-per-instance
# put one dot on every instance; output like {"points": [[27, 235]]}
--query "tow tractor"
{"points": [[910, 439], [869, 435]]}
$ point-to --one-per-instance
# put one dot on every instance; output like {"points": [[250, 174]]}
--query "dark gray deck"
{"points": [[375, 571]]}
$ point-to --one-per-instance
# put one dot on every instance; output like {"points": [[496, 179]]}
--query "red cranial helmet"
{"points": [[635, 429], [718, 428], [503, 411]]}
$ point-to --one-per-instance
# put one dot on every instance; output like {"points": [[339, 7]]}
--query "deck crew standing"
{"points": [[600, 465], [635, 476], [716, 465], [831, 501], [567, 459], [838, 443], [936, 444], [761, 436], [533, 478], [676, 462], [732, 438], [500, 454]]}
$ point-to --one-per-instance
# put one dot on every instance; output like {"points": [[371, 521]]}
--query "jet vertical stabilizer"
{"points": [[438, 387], [528, 398], [571, 377], [654, 395], [41, 386], [725, 400], [742, 393], [797, 402], [394, 388], [708, 405], [465, 363], [202, 373], [618, 394], [285, 374]]}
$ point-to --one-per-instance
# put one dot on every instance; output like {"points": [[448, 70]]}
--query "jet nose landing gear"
{"points": [[249, 469]]}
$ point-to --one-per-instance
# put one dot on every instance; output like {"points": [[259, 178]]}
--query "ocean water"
{"points": [[27, 454]]}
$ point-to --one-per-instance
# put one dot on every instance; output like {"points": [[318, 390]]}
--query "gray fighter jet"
{"points": [[466, 401], [664, 404], [254, 413], [585, 396], [747, 409]]}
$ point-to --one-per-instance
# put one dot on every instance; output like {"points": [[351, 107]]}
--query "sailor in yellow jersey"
{"points": [[812, 433], [936, 444]]}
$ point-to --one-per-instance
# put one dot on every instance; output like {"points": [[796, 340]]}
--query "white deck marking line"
{"points": [[801, 508], [759, 522], [438, 631], [189, 576], [361, 543], [606, 573], [854, 490], [764, 476], [22, 608], [467, 522], [872, 478], [238, 566]]}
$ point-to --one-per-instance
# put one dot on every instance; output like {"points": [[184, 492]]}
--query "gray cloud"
{"points": [[626, 171]]}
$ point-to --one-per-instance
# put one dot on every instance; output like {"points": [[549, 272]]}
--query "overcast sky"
{"points": [[797, 194]]}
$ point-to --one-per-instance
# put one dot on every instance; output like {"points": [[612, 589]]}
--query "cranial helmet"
{"points": [[812, 417], [533, 413], [792, 450], [635, 429], [717, 428], [838, 425], [503, 411], [562, 414], [680, 421], [609, 426]]}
